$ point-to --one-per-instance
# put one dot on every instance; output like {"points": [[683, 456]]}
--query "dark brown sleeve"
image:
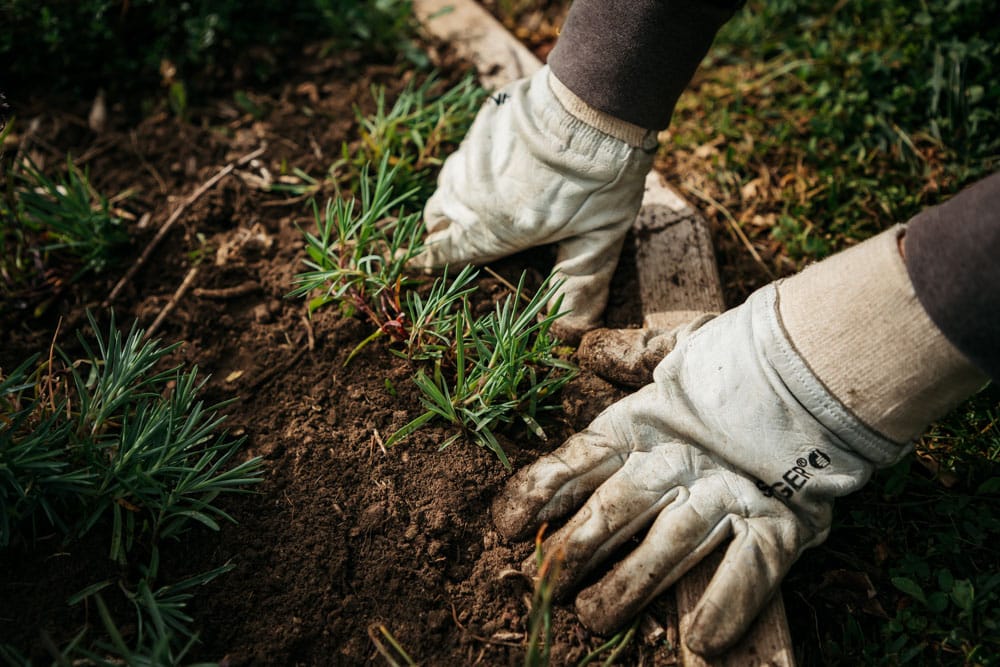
{"points": [[953, 258], [633, 58]]}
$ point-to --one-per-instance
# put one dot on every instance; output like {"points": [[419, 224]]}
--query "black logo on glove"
{"points": [[796, 477]]}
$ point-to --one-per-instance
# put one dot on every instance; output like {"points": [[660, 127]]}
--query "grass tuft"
{"points": [[109, 439]]}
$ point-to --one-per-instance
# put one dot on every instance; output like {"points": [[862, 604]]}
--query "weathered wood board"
{"points": [[479, 38], [678, 277]]}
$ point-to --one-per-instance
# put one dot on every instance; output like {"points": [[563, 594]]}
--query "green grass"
{"points": [[54, 229], [421, 127], [491, 371], [817, 126], [357, 258], [925, 532], [485, 372], [479, 374]]}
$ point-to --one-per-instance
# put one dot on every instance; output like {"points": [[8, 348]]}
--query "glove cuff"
{"points": [[633, 135], [855, 321]]}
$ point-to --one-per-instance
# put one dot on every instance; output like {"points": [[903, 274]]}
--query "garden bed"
{"points": [[345, 544], [343, 536]]}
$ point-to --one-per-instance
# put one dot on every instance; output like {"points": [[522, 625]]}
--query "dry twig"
{"points": [[205, 187], [244, 288], [188, 279]]}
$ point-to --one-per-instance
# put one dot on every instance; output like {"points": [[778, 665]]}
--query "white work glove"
{"points": [[739, 438], [734, 439], [529, 173]]}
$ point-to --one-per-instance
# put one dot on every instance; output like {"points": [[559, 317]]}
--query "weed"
{"points": [[822, 128], [389, 656], [101, 439], [539, 642], [357, 259], [486, 371], [540, 615], [434, 318], [162, 633], [108, 439]]}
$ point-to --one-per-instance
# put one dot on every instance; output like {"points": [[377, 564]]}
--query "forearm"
{"points": [[953, 260], [900, 342], [633, 58]]}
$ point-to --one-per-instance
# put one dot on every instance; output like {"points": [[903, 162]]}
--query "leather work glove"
{"points": [[539, 166], [739, 439]]}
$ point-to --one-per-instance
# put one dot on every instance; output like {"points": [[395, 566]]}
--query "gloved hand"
{"points": [[738, 437], [530, 172], [734, 439]]}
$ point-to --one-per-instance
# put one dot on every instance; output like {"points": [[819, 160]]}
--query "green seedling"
{"points": [[69, 217], [505, 368], [549, 566], [416, 132], [413, 136], [102, 439], [111, 439], [397, 653], [486, 373], [358, 258], [433, 318], [162, 627]]}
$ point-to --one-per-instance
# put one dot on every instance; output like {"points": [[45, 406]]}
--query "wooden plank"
{"points": [[677, 275], [479, 38], [674, 258], [677, 278]]}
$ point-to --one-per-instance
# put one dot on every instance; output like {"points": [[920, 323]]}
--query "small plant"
{"points": [[486, 371], [109, 439], [397, 650], [549, 566], [69, 216], [357, 259], [505, 367], [102, 439], [416, 131], [53, 231], [434, 318]]}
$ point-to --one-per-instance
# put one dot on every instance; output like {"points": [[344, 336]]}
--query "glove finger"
{"points": [[557, 483], [628, 356], [625, 356], [586, 264], [457, 245], [762, 551], [681, 536], [617, 510]]}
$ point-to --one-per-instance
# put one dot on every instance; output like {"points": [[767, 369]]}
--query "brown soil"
{"points": [[342, 536]]}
